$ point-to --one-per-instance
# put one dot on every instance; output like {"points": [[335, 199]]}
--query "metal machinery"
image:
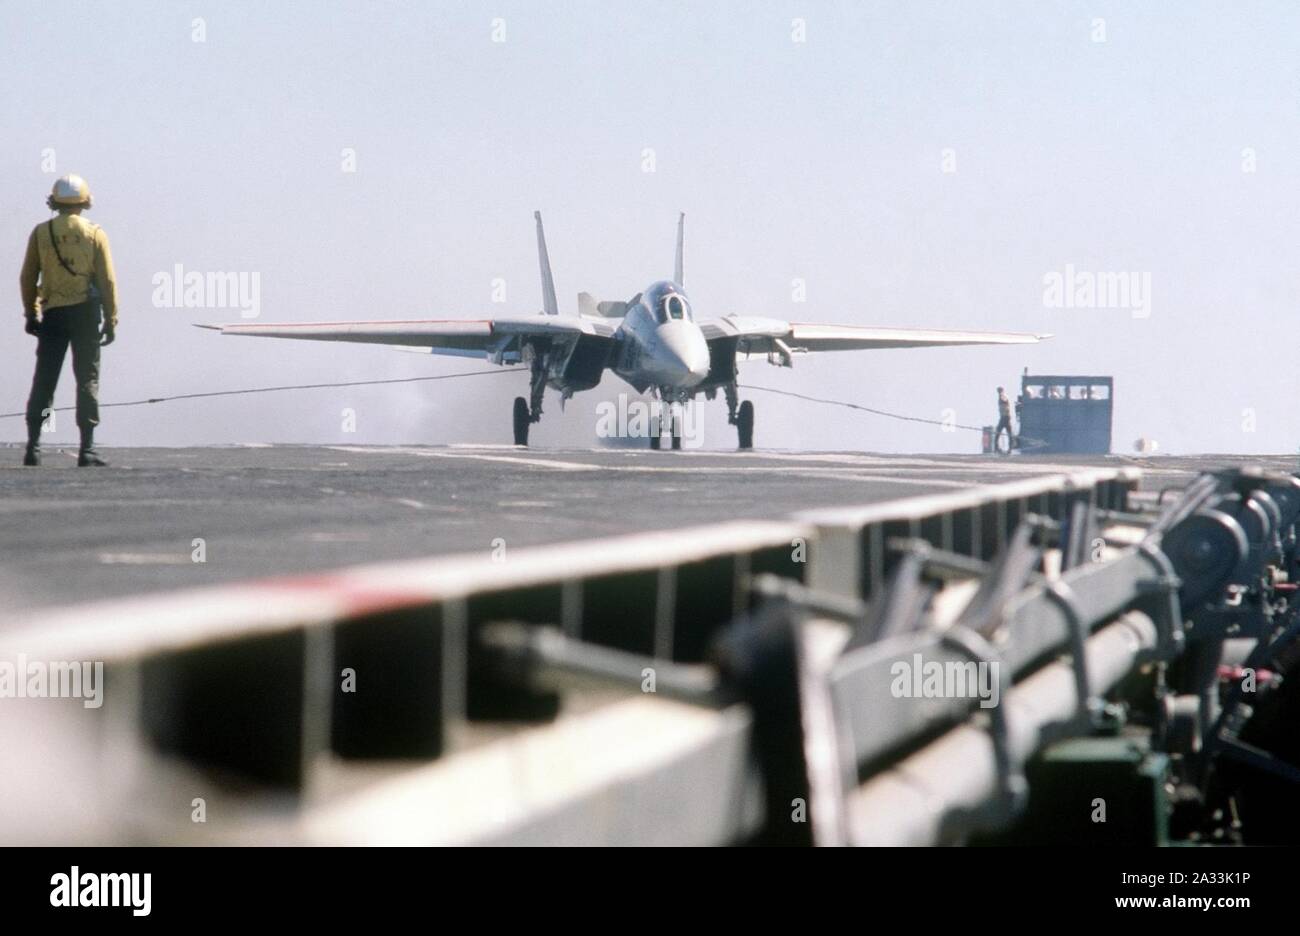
{"points": [[1141, 657], [738, 684]]}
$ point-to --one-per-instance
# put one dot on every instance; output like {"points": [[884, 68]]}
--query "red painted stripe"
{"points": [[357, 596]]}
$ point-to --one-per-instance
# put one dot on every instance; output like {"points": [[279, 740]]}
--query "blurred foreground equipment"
{"points": [[1064, 659]]}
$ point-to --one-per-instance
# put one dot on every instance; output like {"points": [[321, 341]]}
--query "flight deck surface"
{"points": [[70, 535]]}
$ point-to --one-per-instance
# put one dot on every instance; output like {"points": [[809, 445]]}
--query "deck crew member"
{"points": [[69, 300], [1004, 421]]}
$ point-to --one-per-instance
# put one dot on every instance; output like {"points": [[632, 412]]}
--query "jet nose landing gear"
{"points": [[672, 415]]}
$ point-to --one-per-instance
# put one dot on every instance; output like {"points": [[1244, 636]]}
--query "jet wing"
{"points": [[490, 338], [768, 336]]}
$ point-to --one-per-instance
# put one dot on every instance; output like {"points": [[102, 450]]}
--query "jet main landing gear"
{"points": [[745, 425], [740, 415], [522, 421], [529, 411]]}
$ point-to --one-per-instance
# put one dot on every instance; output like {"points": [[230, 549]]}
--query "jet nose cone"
{"points": [[686, 353]]}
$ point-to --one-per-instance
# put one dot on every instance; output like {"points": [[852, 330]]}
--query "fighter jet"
{"points": [[653, 341]]}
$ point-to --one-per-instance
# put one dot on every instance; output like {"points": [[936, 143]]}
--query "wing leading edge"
{"points": [[765, 336], [490, 338]]}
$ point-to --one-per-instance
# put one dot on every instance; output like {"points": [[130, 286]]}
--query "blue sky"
{"points": [[819, 160]]}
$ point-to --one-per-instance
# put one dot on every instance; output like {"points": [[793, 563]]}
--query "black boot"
{"points": [[32, 457], [89, 458]]}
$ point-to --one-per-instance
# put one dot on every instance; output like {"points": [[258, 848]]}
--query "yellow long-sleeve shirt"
{"points": [[47, 285]]}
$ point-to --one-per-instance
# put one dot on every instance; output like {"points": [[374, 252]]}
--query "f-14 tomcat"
{"points": [[653, 341]]}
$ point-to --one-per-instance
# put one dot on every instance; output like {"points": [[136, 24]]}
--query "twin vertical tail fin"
{"points": [[678, 277], [549, 305]]}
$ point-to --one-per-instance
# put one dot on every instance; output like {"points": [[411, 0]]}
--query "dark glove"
{"points": [[107, 333], [33, 326]]}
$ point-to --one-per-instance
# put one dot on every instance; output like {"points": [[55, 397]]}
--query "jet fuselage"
{"points": [[660, 343]]}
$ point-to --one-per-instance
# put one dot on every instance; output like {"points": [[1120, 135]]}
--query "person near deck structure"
{"points": [[1004, 422]]}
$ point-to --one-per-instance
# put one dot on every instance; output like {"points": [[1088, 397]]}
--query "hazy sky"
{"points": [[1168, 149]]}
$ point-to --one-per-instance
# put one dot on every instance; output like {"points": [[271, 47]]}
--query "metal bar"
{"points": [[940, 794]]}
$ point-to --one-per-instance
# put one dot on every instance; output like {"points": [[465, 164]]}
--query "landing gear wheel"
{"points": [[522, 421], [675, 427], [745, 424], [656, 428]]}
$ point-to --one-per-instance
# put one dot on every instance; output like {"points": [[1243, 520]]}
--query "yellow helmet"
{"points": [[70, 190]]}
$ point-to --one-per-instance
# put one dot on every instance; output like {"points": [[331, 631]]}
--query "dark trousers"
{"points": [[76, 326], [1003, 423]]}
